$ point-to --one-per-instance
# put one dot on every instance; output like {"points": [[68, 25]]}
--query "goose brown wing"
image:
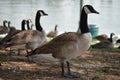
{"points": [[56, 44]]}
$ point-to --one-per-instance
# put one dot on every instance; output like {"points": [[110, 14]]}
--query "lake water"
{"points": [[64, 13]]}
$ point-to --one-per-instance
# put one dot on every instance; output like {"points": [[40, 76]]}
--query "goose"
{"points": [[101, 37], [54, 33], [28, 24], [12, 31], [31, 38], [69, 45], [108, 43], [118, 42], [3, 28]]}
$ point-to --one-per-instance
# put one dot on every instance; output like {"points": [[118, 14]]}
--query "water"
{"points": [[64, 13]]}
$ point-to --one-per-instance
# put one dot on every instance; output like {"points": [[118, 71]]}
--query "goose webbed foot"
{"points": [[71, 75]]}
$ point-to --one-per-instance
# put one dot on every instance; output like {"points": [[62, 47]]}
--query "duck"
{"points": [[108, 43], [69, 45], [31, 38], [3, 28], [53, 33]]}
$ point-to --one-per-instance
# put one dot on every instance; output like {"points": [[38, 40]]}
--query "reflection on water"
{"points": [[64, 13]]}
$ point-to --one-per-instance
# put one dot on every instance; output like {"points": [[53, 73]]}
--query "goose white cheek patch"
{"points": [[87, 11], [41, 14]]}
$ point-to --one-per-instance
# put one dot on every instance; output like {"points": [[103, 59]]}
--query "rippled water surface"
{"points": [[64, 13]]}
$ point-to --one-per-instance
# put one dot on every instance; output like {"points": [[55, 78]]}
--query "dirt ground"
{"points": [[95, 64]]}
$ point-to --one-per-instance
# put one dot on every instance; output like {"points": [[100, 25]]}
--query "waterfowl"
{"points": [[69, 45], [53, 33], [29, 26], [12, 31], [31, 38], [3, 28], [108, 43], [118, 42], [101, 37]]}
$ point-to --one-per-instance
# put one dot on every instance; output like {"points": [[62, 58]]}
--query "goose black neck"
{"points": [[28, 27], [110, 39], [23, 26], [55, 28], [83, 22], [37, 22], [4, 23], [8, 24]]}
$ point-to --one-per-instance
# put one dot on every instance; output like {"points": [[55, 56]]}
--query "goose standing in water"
{"points": [[54, 33], [31, 38], [69, 45], [108, 43]]}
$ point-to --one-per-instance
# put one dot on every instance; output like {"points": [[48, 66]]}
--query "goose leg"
{"points": [[18, 51], [68, 74], [28, 58], [10, 52]]}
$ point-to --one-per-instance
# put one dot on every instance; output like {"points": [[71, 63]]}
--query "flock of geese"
{"points": [[62, 48], [105, 41]]}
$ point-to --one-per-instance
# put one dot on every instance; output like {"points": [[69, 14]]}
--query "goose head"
{"points": [[83, 26], [42, 13], [29, 21], [118, 41], [89, 9], [111, 37], [4, 23]]}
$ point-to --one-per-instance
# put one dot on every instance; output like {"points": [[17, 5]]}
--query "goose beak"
{"points": [[45, 14], [97, 12]]}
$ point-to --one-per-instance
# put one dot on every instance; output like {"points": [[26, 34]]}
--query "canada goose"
{"points": [[70, 44], [12, 31], [54, 33], [108, 43], [101, 37], [29, 26], [4, 29], [31, 38], [118, 42]]}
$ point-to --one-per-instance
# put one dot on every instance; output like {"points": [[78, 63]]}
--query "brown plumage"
{"points": [[107, 43], [101, 37], [53, 33], [12, 32], [30, 38], [69, 45]]}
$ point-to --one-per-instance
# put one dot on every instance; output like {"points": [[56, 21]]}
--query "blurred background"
{"points": [[64, 13]]}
